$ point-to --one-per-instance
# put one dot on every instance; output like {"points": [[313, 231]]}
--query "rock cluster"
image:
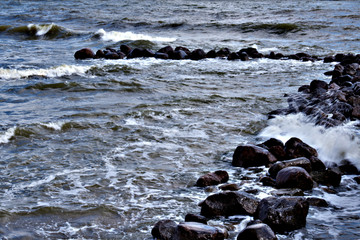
{"points": [[333, 103]]}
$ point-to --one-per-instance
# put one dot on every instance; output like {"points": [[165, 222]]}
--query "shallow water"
{"points": [[104, 149]]}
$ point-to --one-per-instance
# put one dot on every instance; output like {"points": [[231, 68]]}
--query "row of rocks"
{"points": [[330, 104], [293, 167], [179, 53]]}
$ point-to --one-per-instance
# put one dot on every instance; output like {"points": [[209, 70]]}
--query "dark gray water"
{"points": [[101, 149]]}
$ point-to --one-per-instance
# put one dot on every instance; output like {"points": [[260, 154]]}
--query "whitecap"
{"points": [[58, 71], [7, 135], [115, 36], [41, 29]]}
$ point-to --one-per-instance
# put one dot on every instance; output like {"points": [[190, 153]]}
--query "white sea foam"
{"points": [[53, 125], [333, 144], [58, 71], [115, 36], [41, 29], [7, 135]]}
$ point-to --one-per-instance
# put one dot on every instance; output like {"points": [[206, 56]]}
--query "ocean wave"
{"points": [[333, 144], [6, 136], [58, 71], [114, 36], [39, 31]]}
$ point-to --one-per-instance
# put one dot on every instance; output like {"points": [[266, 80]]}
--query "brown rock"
{"points": [[251, 155], [213, 178], [296, 148], [260, 231], [294, 177], [84, 54]]}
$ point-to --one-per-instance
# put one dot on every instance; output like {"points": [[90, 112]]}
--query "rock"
{"points": [[195, 218], [199, 231], [223, 53], [304, 89], [148, 53], [318, 86], [317, 202], [357, 179], [329, 177], [197, 54], [178, 55], [317, 164], [251, 155], [233, 56], [268, 181], [329, 59], [161, 55], [211, 54], [356, 106], [164, 230], [169, 230], [229, 187], [125, 49], [260, 231], [99, 54], [297, 162], [228, 204], [213, 178], [167, 50], [84, 53], [296, 148], [135, 53], [294, 177], [348, 168], [243, 56], [252, 52], [283, 214]]}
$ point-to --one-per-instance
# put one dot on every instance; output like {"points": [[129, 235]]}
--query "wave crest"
{"points": [[114, 36]]}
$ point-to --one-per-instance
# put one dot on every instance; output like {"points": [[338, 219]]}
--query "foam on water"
{"points": [[333, 144], [58, 71], [53, 125], [42, 29], [7, 135], [115, 36]]}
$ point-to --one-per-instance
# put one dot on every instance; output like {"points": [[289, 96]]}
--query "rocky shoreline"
{"points": [[293, 167]]}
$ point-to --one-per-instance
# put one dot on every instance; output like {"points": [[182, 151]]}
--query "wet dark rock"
{"points": [[273, 142], [318, 86], [229, 187], [213, 178], [169, 230], [161, 55], [199, 231], [288, 192], [135, 53], [341, 107], [167, 50], [348, 168], [329, 177], [283, 214], [211, 54], [356, 106], [178, 55], [197, 54], [251, 52], [228, 204], [243, 56], [164, 230], [268, 181], [223, 53], [304, 89], [329, 59], [317, 202], [260, 231], [233, 56], [297, 162], [294, 177], [357, 179], [99, 54], [125, 49], [112, 55], [186, 50], [296, 148], [317, 164], [195, 218], [251, 155], [84, 53], [148, 53]]}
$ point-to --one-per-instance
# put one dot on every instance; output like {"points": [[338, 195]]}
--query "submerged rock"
{"points": [[294, 177], [228, 204], [283, 214], [259, 231], [213, 178], [251, 156]]}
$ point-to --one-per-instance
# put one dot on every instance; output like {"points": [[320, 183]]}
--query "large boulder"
{"points": [[259, 231], [276, 147], [228, 204], [297, 162], [329, 177], [213, 178], [294, 177], [197, 54], [84, 53], [296, 148], [169, 230], [251, 155], [283, 214]]}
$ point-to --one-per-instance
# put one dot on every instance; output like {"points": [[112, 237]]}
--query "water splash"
{"points": [[333, 144], [115, 36]]}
